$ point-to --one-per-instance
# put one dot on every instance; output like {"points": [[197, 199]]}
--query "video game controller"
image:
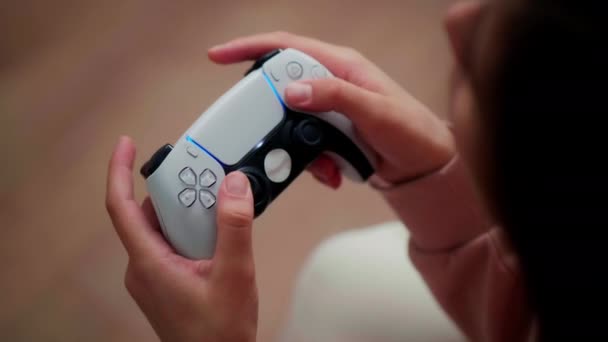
{"points": [[250, 129]]}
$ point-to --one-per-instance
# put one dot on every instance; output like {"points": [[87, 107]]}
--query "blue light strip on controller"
{"points": [[204, 150], [274, 90], [276, 93]]}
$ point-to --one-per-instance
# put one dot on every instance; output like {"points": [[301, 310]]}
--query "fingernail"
{"points": [[333, 175], [332, 182], [299, 93], [335, 182], [322, 177], [123, 139], [237, 183], [218, 47]]}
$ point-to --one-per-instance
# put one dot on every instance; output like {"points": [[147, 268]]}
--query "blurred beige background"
{"points": [[74, 75]]}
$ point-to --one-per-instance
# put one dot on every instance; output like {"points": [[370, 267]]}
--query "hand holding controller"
{"points": [[249, 129]]}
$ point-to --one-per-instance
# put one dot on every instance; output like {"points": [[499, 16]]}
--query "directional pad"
{"points": [[207, 178], [205, 181], [188, 176], [207, 199], [187, 197]]}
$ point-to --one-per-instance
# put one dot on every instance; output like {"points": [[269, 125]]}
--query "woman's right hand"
{"points": [[409, 140]]}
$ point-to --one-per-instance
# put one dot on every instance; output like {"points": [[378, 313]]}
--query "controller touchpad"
{"points": [[239, 120]]}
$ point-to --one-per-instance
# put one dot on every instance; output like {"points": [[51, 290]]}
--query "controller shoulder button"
{"points": [[260, 61], [157, 158]]}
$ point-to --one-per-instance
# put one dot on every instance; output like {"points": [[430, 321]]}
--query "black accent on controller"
{"points": [[305, 138], [259, 188], [260, 61], [157, 158], [307, 132]]}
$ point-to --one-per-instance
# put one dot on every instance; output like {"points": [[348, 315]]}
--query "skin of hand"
{"points": [[183, 299], [408, 139]]}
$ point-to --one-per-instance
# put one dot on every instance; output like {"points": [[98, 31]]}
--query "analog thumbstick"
{"points": [[308, 133], [259, 188]]}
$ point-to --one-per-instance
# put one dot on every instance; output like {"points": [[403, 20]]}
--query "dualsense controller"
{"points": [[249, 129]]}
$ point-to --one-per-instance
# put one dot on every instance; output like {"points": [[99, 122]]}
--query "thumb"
{"points": [[234, 253], [364, 108]]}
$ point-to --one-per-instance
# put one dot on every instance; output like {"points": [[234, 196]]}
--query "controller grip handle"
{"points": [[323, 136], [349, 157]]}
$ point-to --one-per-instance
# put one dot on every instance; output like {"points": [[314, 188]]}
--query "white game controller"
{"points": [[250, 129]]}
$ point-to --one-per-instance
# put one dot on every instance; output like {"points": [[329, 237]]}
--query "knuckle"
{"points": [[352, 56], [282, 35], [248, 273], [238, 278], [335, 90], [236, 218], [386, 106], [131, 283], [111, 205], [142, 269], [395, 108], [386, 113]]}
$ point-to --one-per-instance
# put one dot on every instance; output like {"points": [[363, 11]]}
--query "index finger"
{"points": [[137, 234], [343, 62]]}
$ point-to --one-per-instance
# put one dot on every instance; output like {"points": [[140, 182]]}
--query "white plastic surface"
{"points": [[239, 119], [191, 231]]}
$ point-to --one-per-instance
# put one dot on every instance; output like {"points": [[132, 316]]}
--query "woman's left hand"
{"points": [[186, 300]]}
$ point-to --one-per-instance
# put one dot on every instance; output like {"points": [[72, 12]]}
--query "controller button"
{"points": [[274, 72], [260, 61], [277, 165], [187, 197], [260, 189], [207, 199], [192, 151], [188, 176], [294, 70], [154, 163], [255, 185], [319, 72], [207, 178], [308, 133]]}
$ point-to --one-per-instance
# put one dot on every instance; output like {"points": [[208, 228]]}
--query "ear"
{"points": [[460, 23]]}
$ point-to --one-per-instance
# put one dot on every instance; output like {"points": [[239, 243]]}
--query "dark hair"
{"points": [[543, 113]]}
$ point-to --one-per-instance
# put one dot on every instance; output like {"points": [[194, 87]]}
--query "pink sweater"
{"points": [[462, 255]]}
